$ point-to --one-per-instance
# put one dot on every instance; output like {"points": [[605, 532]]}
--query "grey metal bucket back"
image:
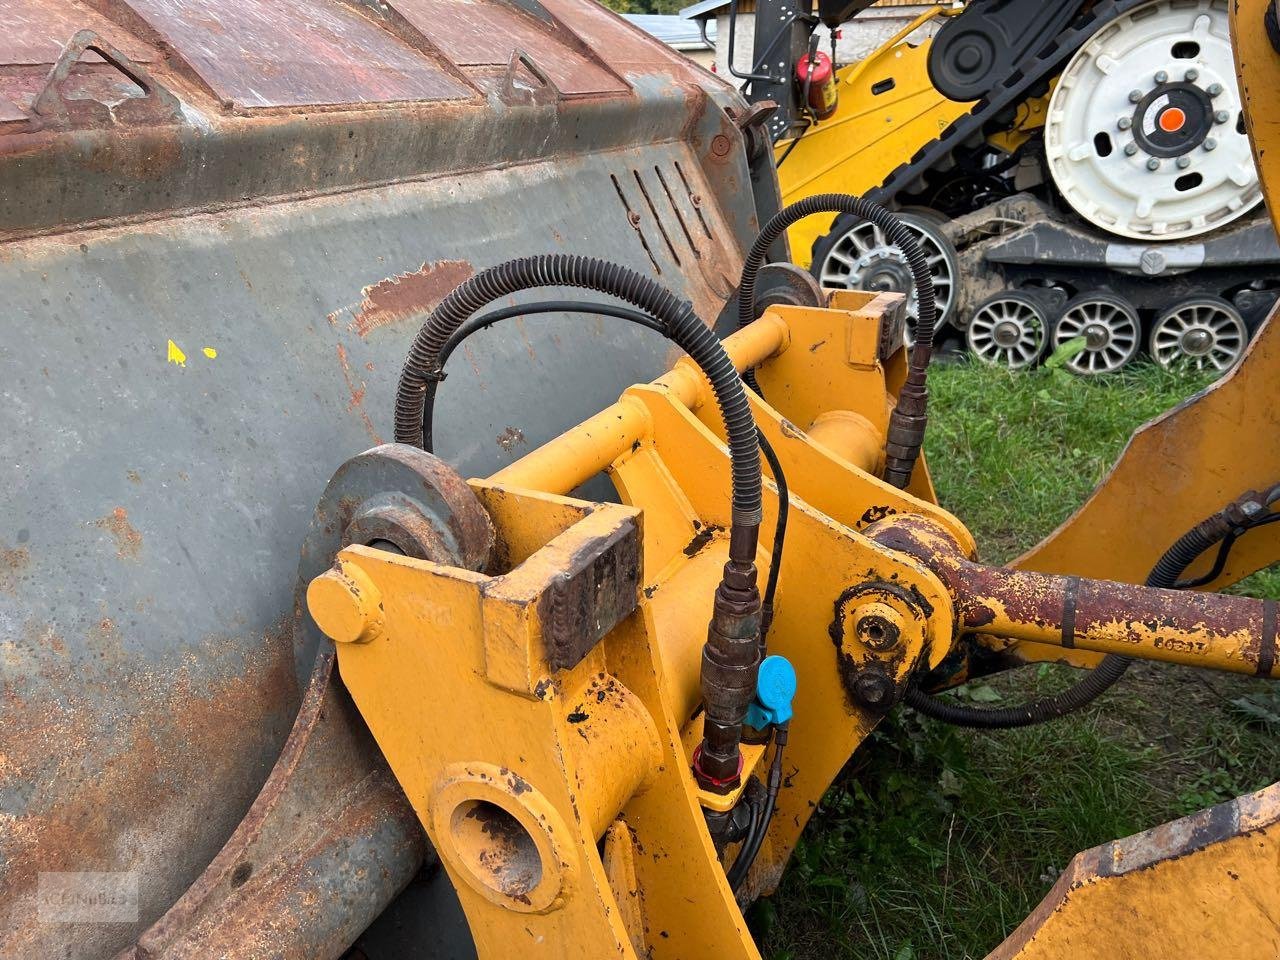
{"points": [[221, 223]]}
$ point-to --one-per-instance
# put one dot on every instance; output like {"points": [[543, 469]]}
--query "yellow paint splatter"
{"points": [[209, 352], [176, 355]]}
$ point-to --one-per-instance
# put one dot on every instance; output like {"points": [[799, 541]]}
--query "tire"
{"points": [[1112, 329], [1010, 330], [1199, 333]]}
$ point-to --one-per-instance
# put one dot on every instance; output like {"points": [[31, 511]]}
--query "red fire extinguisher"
{"points": [[816, 73]]}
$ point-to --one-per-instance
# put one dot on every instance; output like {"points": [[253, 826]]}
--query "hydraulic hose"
{"points": [[910, 417], [731, 654], [422, 370], [1222, 527]]}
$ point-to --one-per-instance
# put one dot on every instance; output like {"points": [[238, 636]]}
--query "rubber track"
{"points": [[1012, 90]]}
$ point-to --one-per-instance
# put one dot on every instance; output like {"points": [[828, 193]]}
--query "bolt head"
{"points": [[1153, 164], [1214, 89], [878, 626], [1162, 77], [1135, 96], [1184, 162], [1130, 149], [1222, 116], [1192, 75], [1210, 143], [874, 691], [345, 604], [1124, 123]]}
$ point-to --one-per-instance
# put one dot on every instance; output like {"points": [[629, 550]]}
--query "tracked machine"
{"points": [[1072, 170], [277, 680]]}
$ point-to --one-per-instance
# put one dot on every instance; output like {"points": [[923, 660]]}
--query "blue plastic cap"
{"points": [[775, 689]]}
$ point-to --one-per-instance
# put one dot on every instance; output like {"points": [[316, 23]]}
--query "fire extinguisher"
{"points": [[816, 73]]}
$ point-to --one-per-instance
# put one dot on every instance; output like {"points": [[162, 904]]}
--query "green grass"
{"points": [[937, 841]]}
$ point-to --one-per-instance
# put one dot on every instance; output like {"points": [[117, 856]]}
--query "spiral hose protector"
{"points": [[910, 416], [1101, 678], [415, 394]]}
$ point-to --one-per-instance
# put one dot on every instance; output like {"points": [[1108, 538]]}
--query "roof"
{"points": [[709, 8], [705, 8], [673, 30]]}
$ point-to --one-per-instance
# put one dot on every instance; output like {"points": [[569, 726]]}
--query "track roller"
{"points": [[1009, 330], [856, 255], [1199, 333], [1111, 329]]}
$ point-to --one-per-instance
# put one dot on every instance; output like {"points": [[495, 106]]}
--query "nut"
{"points": [[873, 691], [878, 626]]}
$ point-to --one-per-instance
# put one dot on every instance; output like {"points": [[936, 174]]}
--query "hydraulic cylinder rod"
{"points": [[1217, 631]]}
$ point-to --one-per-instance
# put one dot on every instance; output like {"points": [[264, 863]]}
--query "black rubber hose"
{"points": [[415, 394], [755, 839], [910, 416], [1101, 678]]}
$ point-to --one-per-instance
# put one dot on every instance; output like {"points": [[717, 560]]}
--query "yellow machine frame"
{"points": [[540, 713], [557, 791]]}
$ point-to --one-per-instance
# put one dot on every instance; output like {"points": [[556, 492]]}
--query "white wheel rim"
{"points": [[1007, 332], [1199, 335], [1110, 331], [864, 252], [1118, 192]]}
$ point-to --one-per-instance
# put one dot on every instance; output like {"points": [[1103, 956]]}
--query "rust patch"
{"points": [[128, 540], [409, 294], [12, 564], [133, 476], [357, 390], [509, 437]]}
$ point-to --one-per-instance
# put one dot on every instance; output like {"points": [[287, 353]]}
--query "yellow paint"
{"points": [[560, 796], [176, 355], [210, 352], [870, 135]]}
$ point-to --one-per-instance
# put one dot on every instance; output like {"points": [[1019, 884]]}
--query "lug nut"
{"points": [[1153, 164], [1135, 96], [1184, 162], [1192, 75], [1124, 123], [1162, 77], [1210, 143], [1222, 116], [1214, 89], [1130, 149]]}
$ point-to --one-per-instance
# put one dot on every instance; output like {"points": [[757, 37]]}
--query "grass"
{"points": [[938, 841]]}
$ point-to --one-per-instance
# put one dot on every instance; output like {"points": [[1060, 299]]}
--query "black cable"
{"points": [[483, 321], [779, 536], [910, 416], [755, 837], [1171, 565], [543, 306]]}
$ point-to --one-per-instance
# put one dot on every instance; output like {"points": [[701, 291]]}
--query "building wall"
{"points": [[858, 37]]}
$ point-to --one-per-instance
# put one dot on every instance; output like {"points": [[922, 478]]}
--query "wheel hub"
{"points": [[1096, 336], [1007, 333], [884, 270], [1172, 120], [1197, 341]]}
